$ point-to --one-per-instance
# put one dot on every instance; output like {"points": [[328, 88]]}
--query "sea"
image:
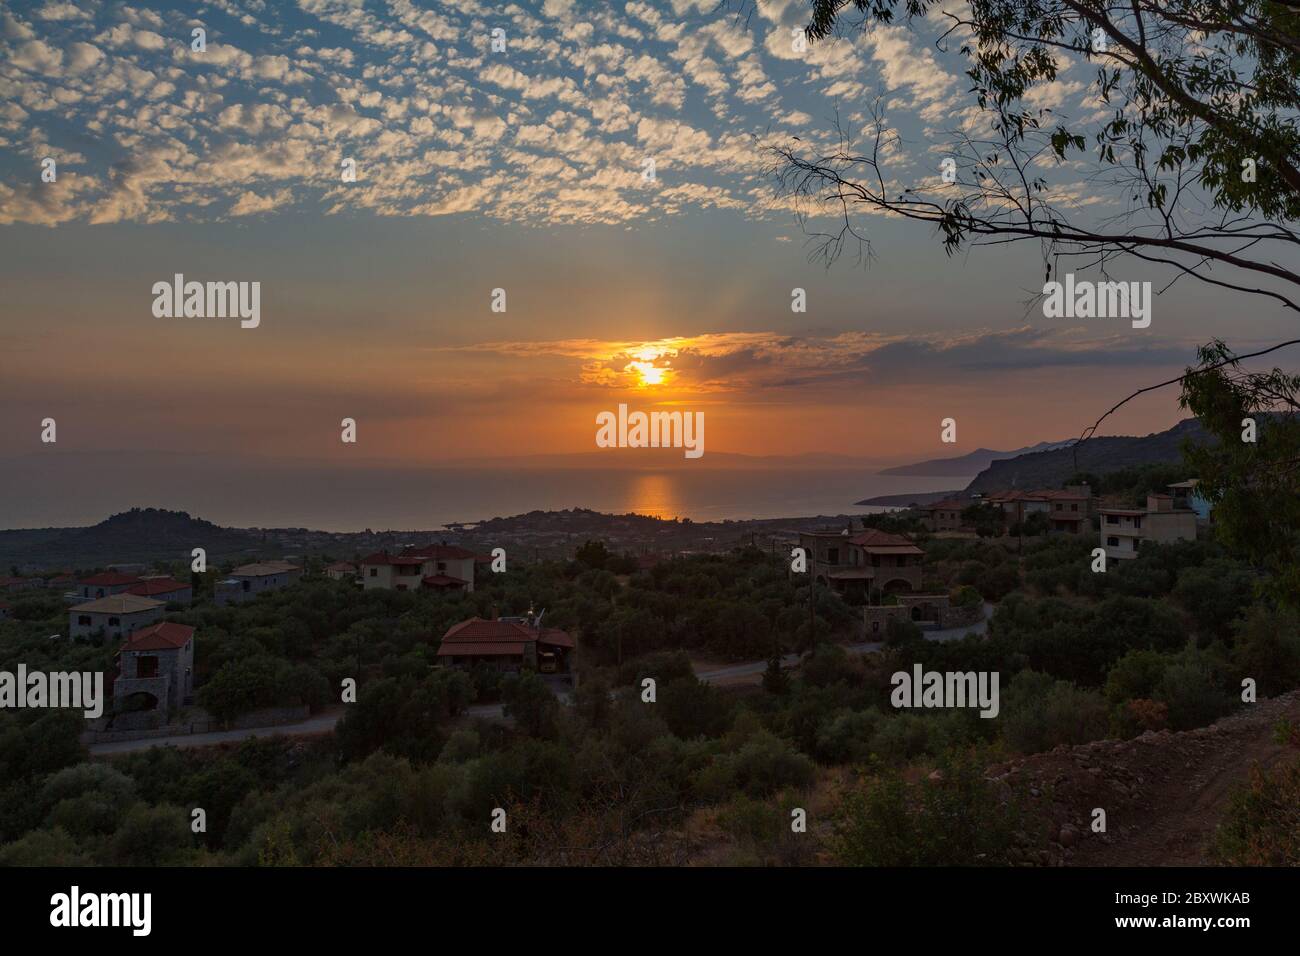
{"points": [[288, 496]]}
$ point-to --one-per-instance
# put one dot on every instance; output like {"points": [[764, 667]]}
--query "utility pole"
{"points": [[812, 606]]}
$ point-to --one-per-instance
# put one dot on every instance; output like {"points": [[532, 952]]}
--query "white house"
{"points": [[1165, 518], [440, 567], [117, 615]]}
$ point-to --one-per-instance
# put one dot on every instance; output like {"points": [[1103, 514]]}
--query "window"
{"points": [[833, 555], [1112, 542], [83, 620], [1074, 507], [1112, 519], [1137, 522], [146, 667], [114, 622], [374, 572]]}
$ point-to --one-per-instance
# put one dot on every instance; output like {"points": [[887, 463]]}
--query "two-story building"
{"points": [[855, 565], [114, 616], [1124, 530], [248, 581], [1068, 510], [943, 515], [155, 669], [441, 567]]}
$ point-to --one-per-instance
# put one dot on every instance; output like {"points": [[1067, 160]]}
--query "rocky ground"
{"points": [[1164, 793]]}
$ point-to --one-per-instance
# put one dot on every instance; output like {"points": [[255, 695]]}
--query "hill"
{"points": [[141, 535], [970, 464], [1051, 469]]}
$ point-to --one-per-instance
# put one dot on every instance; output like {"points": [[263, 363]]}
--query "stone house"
{"points": [[156, 669], [245, 583]]}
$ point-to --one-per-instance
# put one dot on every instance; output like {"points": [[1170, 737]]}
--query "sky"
{"points": [[522, 169]]}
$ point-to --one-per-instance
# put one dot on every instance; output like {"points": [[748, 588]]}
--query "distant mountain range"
{"points": [[1049, 464], [966, 465], [1049, 469]]}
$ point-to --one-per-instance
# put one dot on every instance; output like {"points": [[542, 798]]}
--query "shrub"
{"points": [[1262, 824], [957, 820]]}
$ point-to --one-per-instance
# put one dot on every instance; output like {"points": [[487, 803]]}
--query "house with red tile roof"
{"points": [[437, 567], [1068, 510], [511, 644], [163, 589], [155, 669], [855, 565], [943, 515], [104, 584], [341, 571]]}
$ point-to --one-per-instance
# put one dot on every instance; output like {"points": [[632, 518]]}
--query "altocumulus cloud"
{"points": [[553, 130]]}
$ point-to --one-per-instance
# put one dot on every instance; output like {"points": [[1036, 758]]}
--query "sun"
{"points": [[644, 366], [647, 373]]}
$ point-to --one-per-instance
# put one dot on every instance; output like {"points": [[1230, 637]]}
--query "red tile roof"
{"points": [[443, 581], [440, 552], [109, 579], [948, 504], [484, 648], [159, 637], [157, 586], [476, 631], [875, 538], [556, 638], [383, 557]]}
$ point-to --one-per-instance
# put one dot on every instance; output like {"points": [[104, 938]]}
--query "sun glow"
{"points": [[644, 366]]}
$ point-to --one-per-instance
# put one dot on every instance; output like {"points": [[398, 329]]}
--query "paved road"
{"points": [[320, 724], [324, 723]]}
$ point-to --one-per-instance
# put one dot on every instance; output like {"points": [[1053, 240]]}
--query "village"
{"points": [[879, 574]]}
